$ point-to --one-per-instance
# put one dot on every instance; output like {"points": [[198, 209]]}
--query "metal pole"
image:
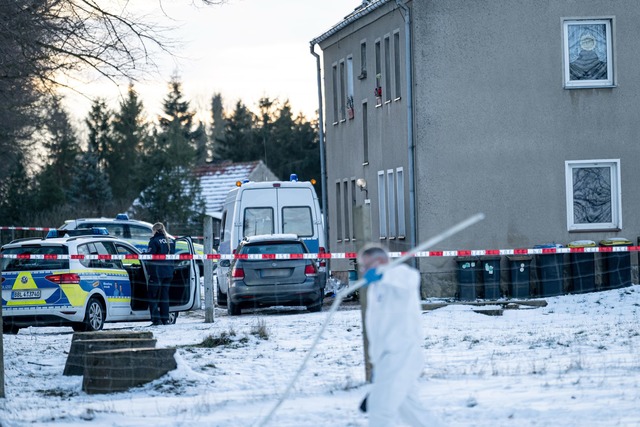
{"points": [[209, 311], [323, 169], [410, 145]]}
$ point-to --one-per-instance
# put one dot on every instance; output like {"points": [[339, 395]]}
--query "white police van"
{"points": [[266, 208]]}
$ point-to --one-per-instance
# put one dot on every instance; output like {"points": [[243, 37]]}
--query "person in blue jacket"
{"points": [[160, 275]]}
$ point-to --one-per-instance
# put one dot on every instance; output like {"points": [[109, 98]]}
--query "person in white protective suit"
{"points": [[393, 324]]}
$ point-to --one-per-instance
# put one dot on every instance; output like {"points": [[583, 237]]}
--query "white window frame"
{"points": [[343, 91], [615, 194], [391, 196], [334, 92], [382, 205], [386, 89], [402, 226], [349, 99], [568, 27], [346, 210], [339, 232], [397, 66]]}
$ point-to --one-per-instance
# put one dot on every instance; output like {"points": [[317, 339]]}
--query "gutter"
{"points": [[323, 168], [410, 145]]}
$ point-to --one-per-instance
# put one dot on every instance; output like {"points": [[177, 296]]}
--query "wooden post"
{"points": [[1, 355], [362, 230], [209, 312]]}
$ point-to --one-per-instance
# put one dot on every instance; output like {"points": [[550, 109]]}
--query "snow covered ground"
{"points": [[575, 362]]}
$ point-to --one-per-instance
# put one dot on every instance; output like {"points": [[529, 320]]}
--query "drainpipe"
{"points": [[323, 169], [406, 14]]}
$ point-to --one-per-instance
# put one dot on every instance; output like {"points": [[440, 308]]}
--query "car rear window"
{"points": [[273, 248], [30, 264]]}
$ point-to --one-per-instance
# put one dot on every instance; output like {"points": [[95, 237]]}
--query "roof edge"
{"points": [[349, 19]]}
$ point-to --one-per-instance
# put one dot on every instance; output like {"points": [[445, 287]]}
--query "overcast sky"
{"points": [[244, 49]]}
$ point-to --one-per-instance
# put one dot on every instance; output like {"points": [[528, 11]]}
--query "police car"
{"points": [[83, 281], [135, 231]]}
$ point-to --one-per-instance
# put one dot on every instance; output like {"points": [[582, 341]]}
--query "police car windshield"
{"points": [[273, 248], [30, 264]]}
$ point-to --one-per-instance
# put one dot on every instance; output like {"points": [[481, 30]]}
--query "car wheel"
{"points": [[173, 317], [317, 305], [222, 298], [10, 329], [233, 309], [93, 318]]}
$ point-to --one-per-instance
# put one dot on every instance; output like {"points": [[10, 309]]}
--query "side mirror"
{"points": [[224, 263]]}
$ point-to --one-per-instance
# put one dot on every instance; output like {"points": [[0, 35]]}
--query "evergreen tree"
{"points": [[295, 146], [202, 144], [217, 125], [100, 139], [61, 150], [16, 201], [131, 137], [173, 195], [90, 186], [240, 142]]}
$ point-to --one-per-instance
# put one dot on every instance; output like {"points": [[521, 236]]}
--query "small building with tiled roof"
{"points": [[216, 179]]}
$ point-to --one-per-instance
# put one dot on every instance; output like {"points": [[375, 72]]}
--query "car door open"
{"points": [[184, 291]]}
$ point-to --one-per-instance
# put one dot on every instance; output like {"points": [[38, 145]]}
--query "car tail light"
{"points": [[322, 261], [237, 273], [310, 270], [65, 278]]}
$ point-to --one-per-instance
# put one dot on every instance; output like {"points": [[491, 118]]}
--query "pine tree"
{"points": [[126, 161], [100, 138], [173, 194], [90, 186], [201, 142], [240, 139], [218, 124], [61, 149]]}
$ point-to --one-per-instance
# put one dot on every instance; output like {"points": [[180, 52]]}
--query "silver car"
{"points": [[259, 278]]}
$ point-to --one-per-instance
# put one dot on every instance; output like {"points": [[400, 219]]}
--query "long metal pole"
{"points": [[323, 168], [410, 144], [344, 293]]}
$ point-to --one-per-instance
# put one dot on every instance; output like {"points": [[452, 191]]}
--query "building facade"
{"points": [[525, 111]]}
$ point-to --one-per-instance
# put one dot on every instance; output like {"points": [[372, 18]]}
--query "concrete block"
{"points": [[118, 370], [79, 348]]}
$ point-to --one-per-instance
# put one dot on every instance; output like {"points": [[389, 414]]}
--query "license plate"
{"points": [[276, 272], [27, 294]]}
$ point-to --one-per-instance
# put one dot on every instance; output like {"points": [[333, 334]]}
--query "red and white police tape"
{"points": [[27, 228], [337, 255]]}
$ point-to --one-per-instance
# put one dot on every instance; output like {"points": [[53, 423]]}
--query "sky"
{"points": [[573, 363], [243, 49]]}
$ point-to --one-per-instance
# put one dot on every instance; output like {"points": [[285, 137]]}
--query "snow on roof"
{"points": [[217, 179]]}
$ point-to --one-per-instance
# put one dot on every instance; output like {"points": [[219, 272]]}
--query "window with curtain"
{"points": [[588, 53], [593, 195]]}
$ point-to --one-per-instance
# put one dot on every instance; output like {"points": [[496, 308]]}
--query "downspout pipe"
{"points": [[406, 13], [323, 168]]}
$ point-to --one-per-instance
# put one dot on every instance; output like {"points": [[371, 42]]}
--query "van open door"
{"points": [[184, 293]]}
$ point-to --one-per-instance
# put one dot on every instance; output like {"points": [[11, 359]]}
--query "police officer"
{"points": [[160, 275]]}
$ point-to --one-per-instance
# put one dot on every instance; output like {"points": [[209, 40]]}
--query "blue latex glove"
{"points": [[371, 276]]}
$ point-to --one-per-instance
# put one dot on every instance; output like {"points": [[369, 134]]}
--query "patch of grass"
{"points": [[213, 341], [260, 330], [56, 392]]}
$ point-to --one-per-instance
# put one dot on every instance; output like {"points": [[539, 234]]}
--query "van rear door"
{"points": [[297, 210]]}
